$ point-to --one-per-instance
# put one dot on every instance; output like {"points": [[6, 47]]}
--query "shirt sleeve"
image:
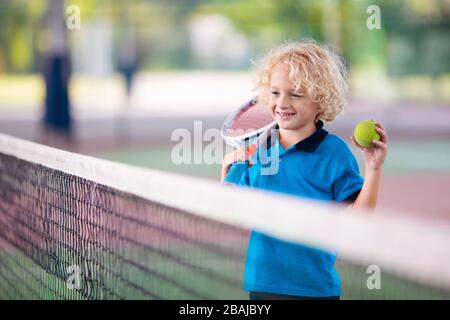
{"points": [[245, 179], [352, 198], [348, 181], [239, 180]]}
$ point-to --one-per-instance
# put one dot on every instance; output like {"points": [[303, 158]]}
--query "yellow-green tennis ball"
{"points": [[365, 132]]}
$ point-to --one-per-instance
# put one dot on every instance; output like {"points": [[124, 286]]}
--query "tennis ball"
{"points": [[365, 132]]}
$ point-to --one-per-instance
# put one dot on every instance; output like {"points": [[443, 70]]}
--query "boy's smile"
{"points": [[285, 115]]}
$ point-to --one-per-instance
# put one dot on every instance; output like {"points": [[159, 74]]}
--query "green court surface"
{"points": [[402, 157], [160, 158], [136, 275], [155, 277]]}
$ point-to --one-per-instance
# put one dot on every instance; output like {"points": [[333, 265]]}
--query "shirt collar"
{"points": [[311, 143]]}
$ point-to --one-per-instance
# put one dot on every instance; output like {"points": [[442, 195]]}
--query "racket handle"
{"points": [[235, 173]]}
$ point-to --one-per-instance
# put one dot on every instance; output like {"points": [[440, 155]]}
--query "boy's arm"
{"points": [[236, 155], [374, 158], [368, 196]]}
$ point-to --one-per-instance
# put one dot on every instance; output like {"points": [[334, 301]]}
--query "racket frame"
{"points": [[248, 137]]}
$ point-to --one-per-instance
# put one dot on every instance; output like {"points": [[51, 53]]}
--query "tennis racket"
{"points": [[248, 126]]}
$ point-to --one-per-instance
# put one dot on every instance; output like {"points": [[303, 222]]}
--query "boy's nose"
{"points": [[283, 102]]}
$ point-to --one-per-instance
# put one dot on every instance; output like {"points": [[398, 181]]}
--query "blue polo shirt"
{"points": [[319, 167]]}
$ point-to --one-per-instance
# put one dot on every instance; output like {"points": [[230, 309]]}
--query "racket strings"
{"points": [[249, 120]]}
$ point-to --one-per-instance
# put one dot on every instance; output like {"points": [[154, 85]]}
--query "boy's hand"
{"points": [[240, 154], [375, 155]]}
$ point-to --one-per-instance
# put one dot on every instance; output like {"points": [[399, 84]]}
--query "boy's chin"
{"points": [[289, 126]]}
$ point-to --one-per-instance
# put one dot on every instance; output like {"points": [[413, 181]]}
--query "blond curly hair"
{"points": [[314, 68]]}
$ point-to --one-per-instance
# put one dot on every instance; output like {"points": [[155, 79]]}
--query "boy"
{"points": [[303, 85]]}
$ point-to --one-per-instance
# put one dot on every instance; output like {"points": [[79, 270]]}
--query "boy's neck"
{"points": [[290, 137]]}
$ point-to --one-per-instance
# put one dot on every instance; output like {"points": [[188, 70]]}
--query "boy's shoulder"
{"points": [[336, 145]]}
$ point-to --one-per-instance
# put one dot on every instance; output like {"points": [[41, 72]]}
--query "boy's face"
{"points": [[291, 110]]}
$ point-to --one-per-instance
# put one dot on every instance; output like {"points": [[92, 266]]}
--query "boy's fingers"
{"points": [[379, 144], [379, 124], [242, 155], [383, 135], [238, 155], [381, 131]]}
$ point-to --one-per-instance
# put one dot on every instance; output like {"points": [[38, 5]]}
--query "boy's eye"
{"points": [[274, 92], [296, 95]]}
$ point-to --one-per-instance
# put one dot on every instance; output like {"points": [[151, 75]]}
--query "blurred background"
{"points": [[114, 78]]}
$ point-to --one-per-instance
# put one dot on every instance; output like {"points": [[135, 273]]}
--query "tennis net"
{"points": [[76, 227]]}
